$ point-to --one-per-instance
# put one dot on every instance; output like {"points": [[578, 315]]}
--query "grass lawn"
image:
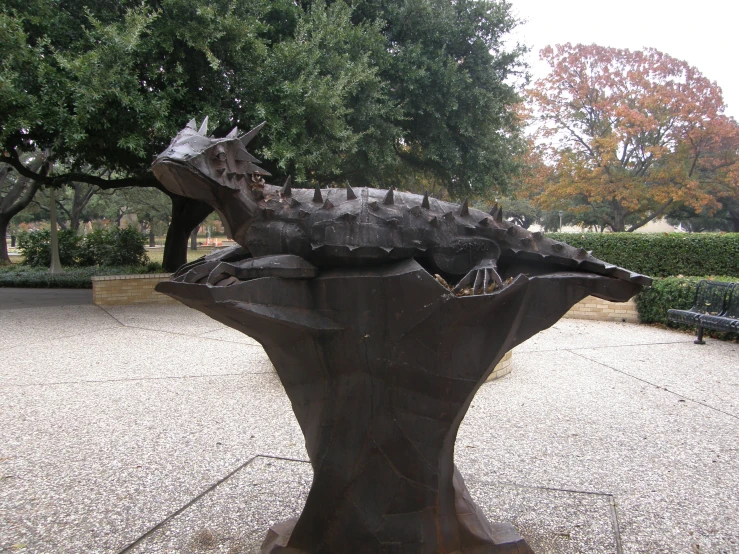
{"points": [[158, 254]]}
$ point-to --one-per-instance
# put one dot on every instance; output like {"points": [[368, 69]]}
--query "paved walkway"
{"points": [[132, 429], [11, 298]]}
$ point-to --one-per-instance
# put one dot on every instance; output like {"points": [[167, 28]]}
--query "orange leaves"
{"points": [[630, 130]]}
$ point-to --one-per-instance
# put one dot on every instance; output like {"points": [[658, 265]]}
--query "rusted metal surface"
{"points": [[383, 313]]}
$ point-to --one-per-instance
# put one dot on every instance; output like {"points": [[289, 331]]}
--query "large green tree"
{"points": [[408, 92], [106, 85], [450, 71]]}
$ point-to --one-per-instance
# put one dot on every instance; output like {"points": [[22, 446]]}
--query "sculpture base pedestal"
{"points": [[505, 537], [380, 366]]}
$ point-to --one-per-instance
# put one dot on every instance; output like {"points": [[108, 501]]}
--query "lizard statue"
{"points": [[290, 232], [379, 361]]}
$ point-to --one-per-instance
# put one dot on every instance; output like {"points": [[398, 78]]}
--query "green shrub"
{"points": [[93, 248], [665, 294], [36, 247], [111, 247], [128, 247], [662, 254]]}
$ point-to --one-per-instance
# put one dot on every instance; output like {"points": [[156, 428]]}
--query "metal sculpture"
{"points": [[347, 291]]}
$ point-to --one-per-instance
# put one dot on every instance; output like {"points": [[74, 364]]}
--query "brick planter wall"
{"points": [[504, 367], [603, 310], [129, 289]]}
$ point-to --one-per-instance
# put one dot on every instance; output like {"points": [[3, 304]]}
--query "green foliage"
{"points": [[361, 91], [667, 293], [520, 211], [108, 247], [113, 247], [670, 293], [660, 254], [448, 70], [699, 222], [36, 247], [328, 110], [17, 275]]}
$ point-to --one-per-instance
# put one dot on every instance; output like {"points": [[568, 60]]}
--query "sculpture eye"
{"points": [[221, 156]]}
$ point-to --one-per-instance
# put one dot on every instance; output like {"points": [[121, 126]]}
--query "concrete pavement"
{"points": [[132, 429], [13, 298]]}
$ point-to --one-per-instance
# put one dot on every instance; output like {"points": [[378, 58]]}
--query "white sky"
{"points": [[705, 33]]}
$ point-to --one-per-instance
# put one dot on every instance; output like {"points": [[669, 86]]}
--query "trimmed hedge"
{"points": [[16, 275], [662, 254]]}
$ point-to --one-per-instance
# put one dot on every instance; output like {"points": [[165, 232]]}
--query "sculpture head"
{"points": [[207, 168]]}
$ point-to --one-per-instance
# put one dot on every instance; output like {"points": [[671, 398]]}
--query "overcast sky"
{"points": [[704, 33]]}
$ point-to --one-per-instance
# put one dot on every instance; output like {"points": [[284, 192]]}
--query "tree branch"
{"points": [[578, 138], [63, 208], [24, 200], [651, 216], [12, 159]]}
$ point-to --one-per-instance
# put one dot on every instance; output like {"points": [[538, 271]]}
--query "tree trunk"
{"points": [[74, 222], [83, 194], [733, 217], [19, 196], [152, 238], [56, 267], [4, 258], [618, 224], [194, 238], [186, 214]]}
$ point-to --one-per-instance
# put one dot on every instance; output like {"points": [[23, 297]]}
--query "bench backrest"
{"points": [[732, 304], [710, 297]]}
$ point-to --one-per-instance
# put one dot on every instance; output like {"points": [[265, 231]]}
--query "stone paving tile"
{"points": [[551, 521], [90, 467], [567, 334], [92, 464], [174, 318], [565, 422], [235, 516], [682, 368], [25, 327], [228, 334], [129, 353]]}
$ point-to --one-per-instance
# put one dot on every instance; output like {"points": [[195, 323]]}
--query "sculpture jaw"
{"points": [[217, 171], [185, 180]]}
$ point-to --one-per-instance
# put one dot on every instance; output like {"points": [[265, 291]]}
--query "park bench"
{"points": [[728, 320], [713, 308]]}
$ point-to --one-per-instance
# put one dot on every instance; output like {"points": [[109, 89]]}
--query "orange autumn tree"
{"points": [[629, 135]]}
